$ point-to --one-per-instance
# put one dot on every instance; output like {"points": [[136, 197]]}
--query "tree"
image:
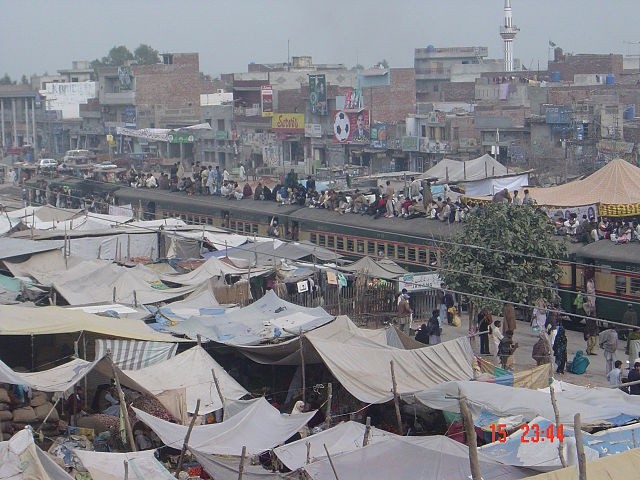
{"points": [[383, 63], [145, 55], [117, 57], [24, 80], [6, 80], [506, 252]]}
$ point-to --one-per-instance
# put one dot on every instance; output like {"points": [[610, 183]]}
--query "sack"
{"points": [[456, 321], [24, 415], [43, 410], [6, 416], [39, 398], [4, 396]]}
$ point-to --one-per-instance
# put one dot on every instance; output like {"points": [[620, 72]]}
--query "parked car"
{"points": [[48, 164]]}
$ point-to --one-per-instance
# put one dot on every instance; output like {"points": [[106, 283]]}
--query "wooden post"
{"points": [[335, 474], [126, 470], [308, 452], [241, 466], [582, 459], [327, 419], [114, 295], [367, 431], [396, 401], [219, 390], [123, 405], [185, 444], [470, 433], [304, 382], [135, 299], [557, 415]]}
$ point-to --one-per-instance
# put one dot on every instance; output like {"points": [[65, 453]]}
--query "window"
{"points": [[391, 251], [360, 246], [331, 242], [412, 254], [634, 285], [621, 285], [433, 259], [432, 133], [340, 243], [221, 124], [350, 245], [254, 229], [402, 253], [313, 238], [247, 228], [422, 255], [423, 130], [323, 240], [371, 249]]}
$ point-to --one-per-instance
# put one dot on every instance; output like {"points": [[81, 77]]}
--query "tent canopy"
{"points": [[383, 268], [259, 427], [199, 383], [614, 184], [18, 320], [454, 171], [22, 459]]}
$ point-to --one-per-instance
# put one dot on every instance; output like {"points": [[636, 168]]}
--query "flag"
{"points": [[551, 44]]}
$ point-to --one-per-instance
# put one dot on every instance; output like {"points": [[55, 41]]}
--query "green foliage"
{"points": [[117, 57], [6, 80], [24, 80], [145, 55], [505, 252]]}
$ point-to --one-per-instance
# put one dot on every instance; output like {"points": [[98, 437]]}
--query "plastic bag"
{"points": [[456, 321]]}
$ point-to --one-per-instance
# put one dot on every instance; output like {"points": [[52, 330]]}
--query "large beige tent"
{"points": [[613, 190]]}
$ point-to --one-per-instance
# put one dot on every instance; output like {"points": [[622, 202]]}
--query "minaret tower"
{"points": [[508, 32]]}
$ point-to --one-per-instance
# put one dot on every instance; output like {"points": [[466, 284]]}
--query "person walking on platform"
{"points": [[609, 342]]}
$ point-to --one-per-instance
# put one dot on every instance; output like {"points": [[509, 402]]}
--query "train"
{"points": [[416, 244]]}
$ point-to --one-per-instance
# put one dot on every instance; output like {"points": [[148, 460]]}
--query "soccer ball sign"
{"points": [[341, 126]]}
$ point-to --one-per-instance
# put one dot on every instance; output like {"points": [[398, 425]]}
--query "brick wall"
{"points": [[175, 86], [590, 63], [392, 103], [458, 92]]}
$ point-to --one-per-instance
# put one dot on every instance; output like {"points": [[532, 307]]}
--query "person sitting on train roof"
{"points": [[164, 181], [246, 191], [635, 231], [226, 189], [238, 192], [404, 207], [257, 193], [605, 228], [151, 181], [359, 203], [380, 206]]}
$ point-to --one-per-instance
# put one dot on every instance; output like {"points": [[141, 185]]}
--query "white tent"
{"points": [[259, 427], [21, 459], [595, 405], [480, 176], [344, 437], [110, 466], [428, 458], [213, 267], [191, 370]]}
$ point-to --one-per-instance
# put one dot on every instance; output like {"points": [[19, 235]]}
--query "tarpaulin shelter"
{"points": [[621, 465], [22, 459], [480, 176], [344, 437], [360, 360], [429, 458], [342, 329], [258, 427], [139, 285], [383, 268], [596, 405], [213, 267], [110, 466], [264, 319], [18, 320], [191, 370]]}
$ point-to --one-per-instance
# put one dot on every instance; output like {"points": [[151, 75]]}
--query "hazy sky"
{"points": [[38, 36]]}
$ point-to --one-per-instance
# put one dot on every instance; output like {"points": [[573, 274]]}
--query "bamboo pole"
{"points": [[304, 381], [396, 401], [241, 466], [367, 432], [308, 452], [219, 390], [126, 470], [335, 474], [582, 459], [470, 433], [327, 419], [185, 444], [123, 405], [557, 415]]}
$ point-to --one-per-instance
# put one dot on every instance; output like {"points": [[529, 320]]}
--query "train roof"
{"points": [[606, 250]]}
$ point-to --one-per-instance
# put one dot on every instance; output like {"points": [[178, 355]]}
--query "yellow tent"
{"points": [[623, 465]]}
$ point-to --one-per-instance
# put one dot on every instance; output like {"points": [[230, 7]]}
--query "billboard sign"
{"points": [[379, 135], [318, 94], [313, 130], [266, 100], [181, 137], [351, 127], [287, 122], [410, 144]]}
